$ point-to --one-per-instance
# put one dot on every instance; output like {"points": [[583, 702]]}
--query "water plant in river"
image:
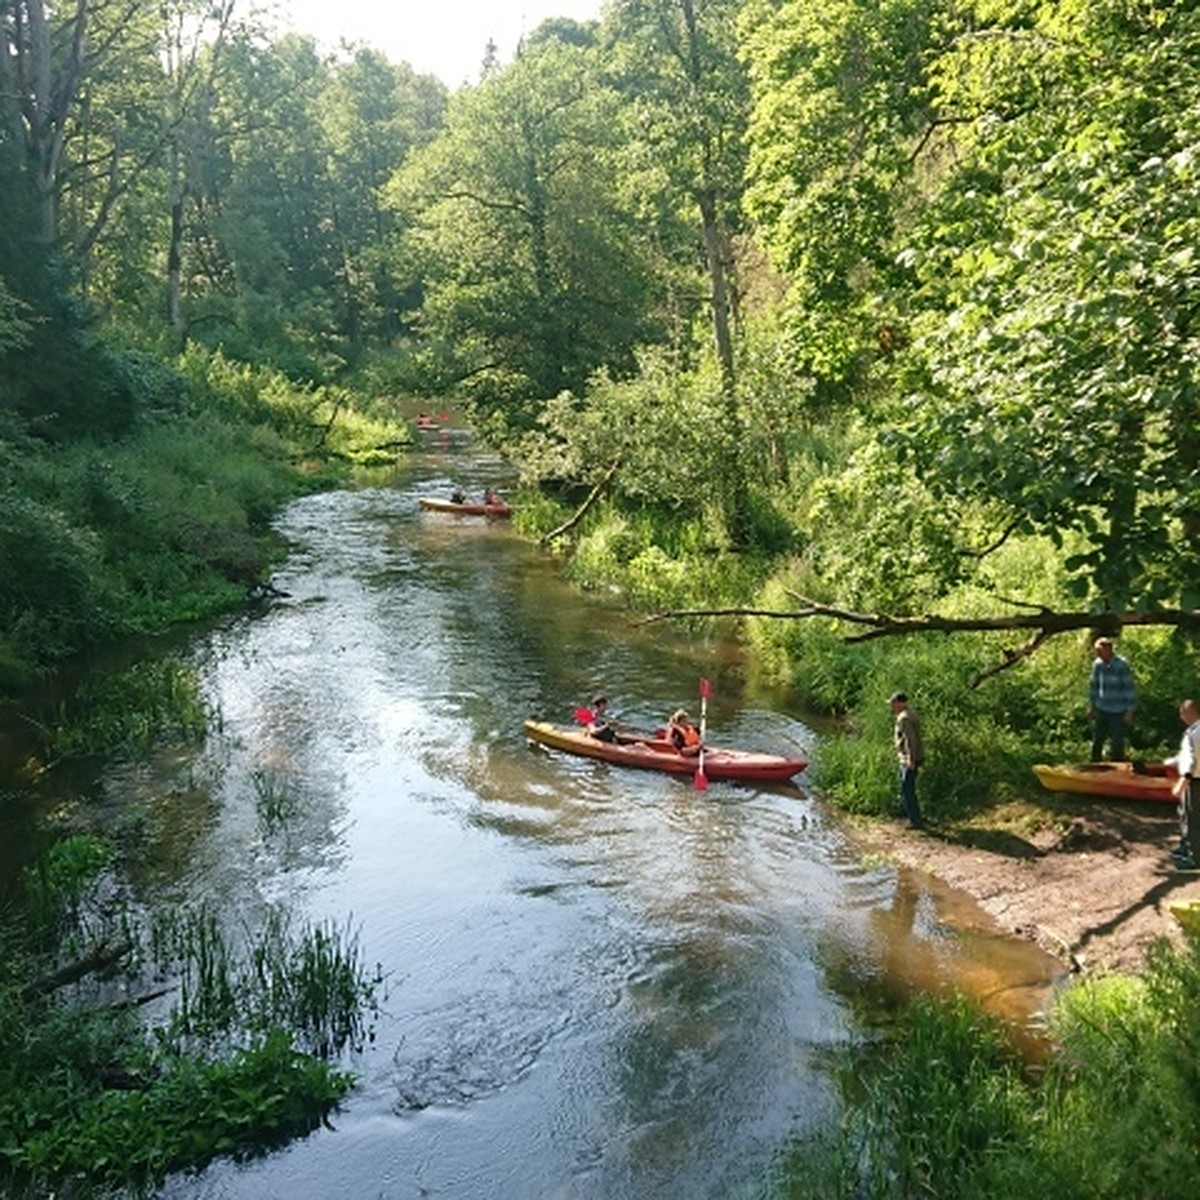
{"points": [[152, 700], [132, 1046], [311, 981]]}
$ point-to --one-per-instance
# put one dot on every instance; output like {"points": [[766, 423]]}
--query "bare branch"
{"points": [[571, 522], [1044, 622]]}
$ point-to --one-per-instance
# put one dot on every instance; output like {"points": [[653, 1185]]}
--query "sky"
{"points": [[446, 38]]}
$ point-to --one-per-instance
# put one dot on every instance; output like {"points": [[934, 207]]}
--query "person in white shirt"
{"points": [[1188, 788]]}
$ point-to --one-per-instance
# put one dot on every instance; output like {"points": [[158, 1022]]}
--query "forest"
{"points": [[868, 324]]}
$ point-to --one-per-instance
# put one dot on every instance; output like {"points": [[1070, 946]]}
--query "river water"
{"points": [[600, 983]]}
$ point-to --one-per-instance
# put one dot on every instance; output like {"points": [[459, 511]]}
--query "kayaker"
{"points": [[1187, 789], [1112, 697], [910, 751], [492, 498], [682, 734], [598, 725], [458, 495]]}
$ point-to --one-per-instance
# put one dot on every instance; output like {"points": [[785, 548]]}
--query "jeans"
{"points": [[908, 794], [1108, 726]]}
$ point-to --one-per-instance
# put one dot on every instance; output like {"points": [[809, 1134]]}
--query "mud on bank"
{"points": [[1090, 881]]}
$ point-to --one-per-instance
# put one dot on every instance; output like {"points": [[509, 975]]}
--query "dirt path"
{"points": [[1091, 881]]}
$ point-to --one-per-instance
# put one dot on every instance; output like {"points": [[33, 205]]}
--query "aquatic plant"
{"points": [[130, 709], [221, 1038]]}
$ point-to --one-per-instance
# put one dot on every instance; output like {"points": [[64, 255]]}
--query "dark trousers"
{"points": [[1189, 819], [908, 795], [1108, 726]]}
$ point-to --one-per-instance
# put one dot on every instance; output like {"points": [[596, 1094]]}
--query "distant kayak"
{"points": [[1118, 780], [466, 508], [658, 754]]}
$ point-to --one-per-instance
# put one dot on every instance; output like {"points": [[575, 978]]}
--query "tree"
{"points": [[373, 115], [535, 273], [687, 98], [841, 118], [1055, 365]]}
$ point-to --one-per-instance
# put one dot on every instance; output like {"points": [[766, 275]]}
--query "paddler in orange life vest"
{"points": [[682, 734]]}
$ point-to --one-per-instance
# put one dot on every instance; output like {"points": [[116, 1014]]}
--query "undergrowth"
{"points": [[947, 1109]]}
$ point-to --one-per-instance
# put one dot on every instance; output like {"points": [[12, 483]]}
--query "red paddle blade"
{"points": [[584, 716], [705, 688], [701, 779]]}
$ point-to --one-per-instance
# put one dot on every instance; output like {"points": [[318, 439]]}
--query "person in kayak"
{"points": [[682, 734], [598, 724]]}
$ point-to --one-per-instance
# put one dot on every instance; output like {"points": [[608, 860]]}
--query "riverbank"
{"points": [[1091, 882]]}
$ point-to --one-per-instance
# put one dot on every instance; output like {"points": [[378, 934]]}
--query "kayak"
{"points": [[658, 754], [466, 508], [1119, 780]]}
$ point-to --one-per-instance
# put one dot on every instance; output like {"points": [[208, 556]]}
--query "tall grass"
{"points": [[311, 981], [154, 700], [945, 1109], [96, 1100]]}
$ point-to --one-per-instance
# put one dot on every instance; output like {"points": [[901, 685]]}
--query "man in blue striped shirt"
{"points": [[1112, 697]]}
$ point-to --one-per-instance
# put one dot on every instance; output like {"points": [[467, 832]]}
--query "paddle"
{"points": [[705, 692]]}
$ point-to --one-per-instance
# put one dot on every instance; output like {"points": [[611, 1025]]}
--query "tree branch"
{"points": [[592, 496], [1044, 622]]}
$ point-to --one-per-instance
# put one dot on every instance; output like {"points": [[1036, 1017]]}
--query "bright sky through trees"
{"points": [[446, 38]]}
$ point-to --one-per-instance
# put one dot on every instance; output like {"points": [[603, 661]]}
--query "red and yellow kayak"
{"points": [[466, 508], [1118, 780], [658, 754]]}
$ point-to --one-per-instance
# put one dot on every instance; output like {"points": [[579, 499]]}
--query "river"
{"points": [[600, 983]]}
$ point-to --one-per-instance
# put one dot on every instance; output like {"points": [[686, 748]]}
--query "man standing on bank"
{"points": [[1112, 697], [1187, 789], [910, 751]]}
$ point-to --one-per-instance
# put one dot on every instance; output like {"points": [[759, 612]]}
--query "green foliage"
{"points": [[192, 1112], [52, 595], [1129, 1064], [515, 204], [55, 889], [945, 1109], [839, 96], [151, 701], [1052, 266], [311, 982], [661, 559], [93, 1100], [170, 522]]}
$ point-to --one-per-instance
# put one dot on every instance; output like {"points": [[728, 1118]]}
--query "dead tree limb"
{"points": [[103, 956], [592, 497]]}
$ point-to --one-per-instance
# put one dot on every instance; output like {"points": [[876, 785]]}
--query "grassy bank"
{"points": [[103, 538], [945, 1108]]}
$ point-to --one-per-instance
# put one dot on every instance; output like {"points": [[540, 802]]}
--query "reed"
{"points": [[151, 701], [274, 799], [311, 981]]}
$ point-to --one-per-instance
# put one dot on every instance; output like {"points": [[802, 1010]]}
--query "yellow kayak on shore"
{"points": [[1117, 780]]}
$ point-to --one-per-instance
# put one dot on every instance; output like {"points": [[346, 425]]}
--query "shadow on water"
{"points": [[603, 983]]}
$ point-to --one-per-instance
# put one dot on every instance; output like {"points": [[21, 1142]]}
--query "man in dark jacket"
{"points": [[910, 751]]}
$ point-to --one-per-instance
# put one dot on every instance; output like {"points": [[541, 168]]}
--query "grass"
{"points": [[944, 1108], [96, 1098]]}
